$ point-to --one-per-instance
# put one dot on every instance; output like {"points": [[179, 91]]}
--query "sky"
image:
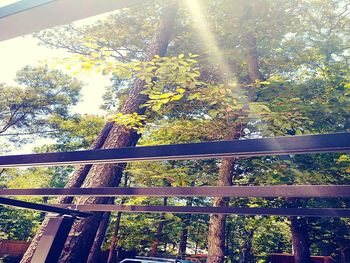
{"points": [[7, 2], [21, 51], [25, 50]]}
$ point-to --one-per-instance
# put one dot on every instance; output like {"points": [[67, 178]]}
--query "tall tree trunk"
{"points": [[300, 239], [154, 247], [252, 58], [76, 180], [82, 234], [216, 236], [83, 231]]}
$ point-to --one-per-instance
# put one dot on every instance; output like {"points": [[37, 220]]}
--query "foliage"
{"points": [[201, 91], [42, 93]]}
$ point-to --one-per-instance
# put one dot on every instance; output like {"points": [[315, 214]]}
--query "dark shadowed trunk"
{"points": [[345, 254], [154, 247], [82, 234], [112, 255], [83, 231], [247, 250], [300, 239], [186, 221], [183, 238]]}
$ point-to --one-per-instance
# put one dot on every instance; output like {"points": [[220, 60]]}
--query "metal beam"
{"points": [[214, 191], [53, 239], [20, 6], [338, 142], [313, 212], [41, 207], [28, 16]]}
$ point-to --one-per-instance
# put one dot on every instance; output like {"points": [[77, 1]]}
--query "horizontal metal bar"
{"points": [[316, 212], [42, 207], [30, 16], [21, 6], [215, 191], [338, 142]]}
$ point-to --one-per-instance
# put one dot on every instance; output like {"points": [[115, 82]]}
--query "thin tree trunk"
{"points": [[197, 242], [112, 250], [82, 235], [183, 239], [300, 239], [154, 247], [184, 230], [345, 255], [247, 250]]}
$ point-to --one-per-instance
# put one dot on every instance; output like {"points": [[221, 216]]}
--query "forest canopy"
{"points": [[180, 72]]}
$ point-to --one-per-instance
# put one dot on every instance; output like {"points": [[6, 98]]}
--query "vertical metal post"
{"points": [[52, 241]]}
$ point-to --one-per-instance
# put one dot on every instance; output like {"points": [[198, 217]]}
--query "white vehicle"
{"points": [[153, 260]]}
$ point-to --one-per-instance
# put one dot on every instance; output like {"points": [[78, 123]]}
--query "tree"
{"points": [[42, 94], [265, 68], [83, 232]]}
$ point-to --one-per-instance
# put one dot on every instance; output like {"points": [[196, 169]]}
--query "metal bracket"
{"points": [[41, 207], [52, 241]]}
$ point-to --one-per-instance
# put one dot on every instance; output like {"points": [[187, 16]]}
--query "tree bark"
{"points": [[183, 239], [184, 231], [95, 250], [154, 247], [112, 250], [76, 180], [82, 235], [300, 239], [216, 235], [102, 229], [252, 58]]}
